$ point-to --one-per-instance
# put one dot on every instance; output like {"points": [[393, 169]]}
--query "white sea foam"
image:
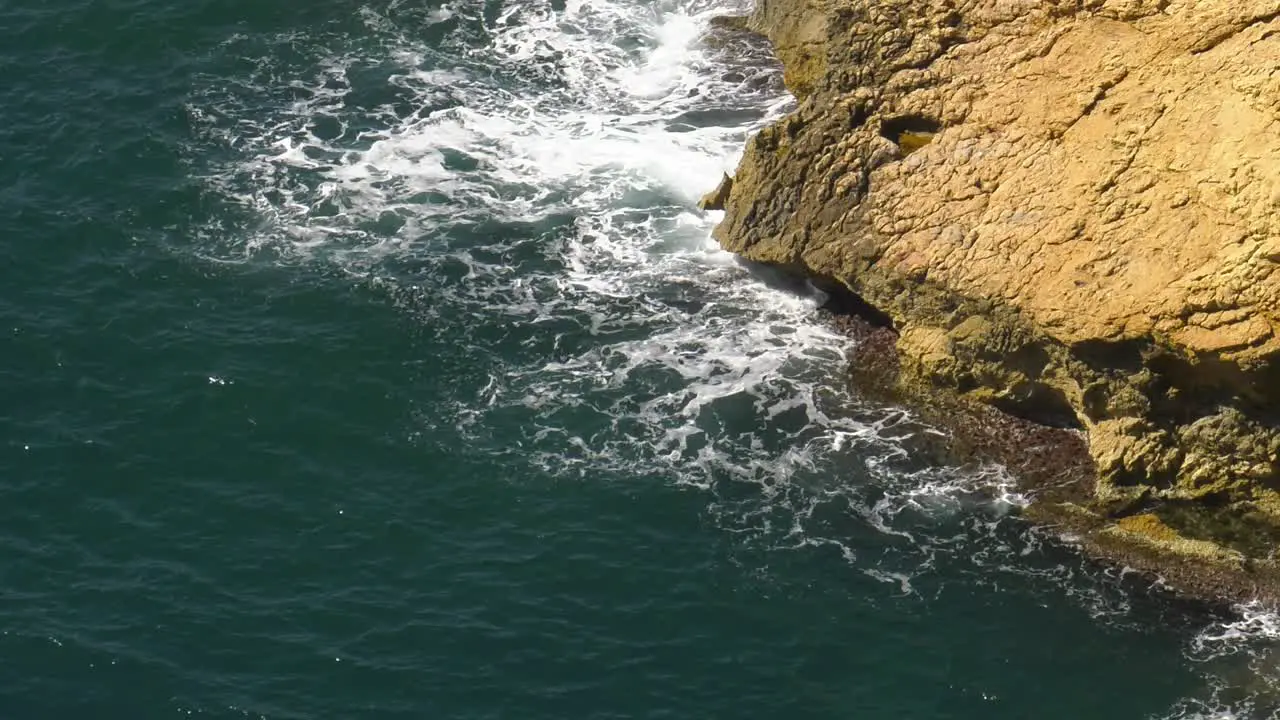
{"points": [[531, 176], [1253, 626], [536, 170], [1238, 659]]}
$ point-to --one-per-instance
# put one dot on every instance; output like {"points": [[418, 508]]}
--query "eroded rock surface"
{"points": [[1070, 210]]}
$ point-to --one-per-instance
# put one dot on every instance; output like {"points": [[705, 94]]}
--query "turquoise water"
{"points": [[370, 360]]}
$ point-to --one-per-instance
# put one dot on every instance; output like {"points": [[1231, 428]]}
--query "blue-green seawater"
{"points": [[369, 359]]}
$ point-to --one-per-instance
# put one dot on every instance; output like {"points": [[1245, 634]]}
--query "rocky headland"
{"points": [[1066, 212]]}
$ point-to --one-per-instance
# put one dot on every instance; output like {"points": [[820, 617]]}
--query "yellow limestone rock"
{"points": [[1080, 198]]}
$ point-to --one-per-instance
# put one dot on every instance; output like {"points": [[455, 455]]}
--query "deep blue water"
{"points": [[370, 360]]}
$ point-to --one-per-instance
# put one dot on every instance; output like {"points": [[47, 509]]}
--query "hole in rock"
{"points": [[910, 132]]}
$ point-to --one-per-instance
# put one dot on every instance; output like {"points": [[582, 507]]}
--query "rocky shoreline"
{"points": [[1055, 471], [1059, 225]]}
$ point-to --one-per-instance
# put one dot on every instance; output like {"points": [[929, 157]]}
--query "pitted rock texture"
{"points": [[1070, 210]]}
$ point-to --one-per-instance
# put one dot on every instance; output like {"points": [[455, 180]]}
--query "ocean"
{"points": [[371, 359]]}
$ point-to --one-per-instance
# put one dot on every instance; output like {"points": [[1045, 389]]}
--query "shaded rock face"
{"points": [[1070, 210]]}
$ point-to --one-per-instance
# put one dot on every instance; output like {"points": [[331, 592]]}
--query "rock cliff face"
{"points": [[1067, 209]]}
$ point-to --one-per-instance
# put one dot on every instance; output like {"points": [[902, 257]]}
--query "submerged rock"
{"points": [[1067, 210]]}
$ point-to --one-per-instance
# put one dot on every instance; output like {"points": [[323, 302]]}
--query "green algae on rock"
{"points": [[1070, 212]]}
